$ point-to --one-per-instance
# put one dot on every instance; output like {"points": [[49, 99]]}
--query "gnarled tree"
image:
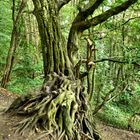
{"points": [[62, 105]]}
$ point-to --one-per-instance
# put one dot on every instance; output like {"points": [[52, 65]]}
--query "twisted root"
{"points": [[60, 108]]}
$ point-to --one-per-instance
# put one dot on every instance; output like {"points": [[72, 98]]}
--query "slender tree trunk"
{"points": [[10, 58], [13, 44]]}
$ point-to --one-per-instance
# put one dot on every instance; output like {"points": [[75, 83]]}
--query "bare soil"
{"points": [[7, 127], [111, 133]]}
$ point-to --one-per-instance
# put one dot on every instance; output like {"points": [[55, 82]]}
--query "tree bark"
{"points": [[55, 56]]}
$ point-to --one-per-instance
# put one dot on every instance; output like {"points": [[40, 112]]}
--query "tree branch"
{"points": [[83, 25], [61, 3], [87, 10], [81, 16], [130, 20], [98, 107], [13, 10], [21, 8], [116, 61]]}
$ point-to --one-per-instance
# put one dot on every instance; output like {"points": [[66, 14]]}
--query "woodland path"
{"points": [[7, 123]]}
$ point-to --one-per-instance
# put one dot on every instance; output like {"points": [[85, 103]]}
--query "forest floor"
{"points": [[7, 129]]}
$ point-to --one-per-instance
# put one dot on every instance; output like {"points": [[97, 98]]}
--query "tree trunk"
{"points": [[13, 43], [53, 44], [10, 58]]}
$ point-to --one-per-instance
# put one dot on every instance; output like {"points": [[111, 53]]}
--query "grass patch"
{"points": [[24, 85], [118, 117]]}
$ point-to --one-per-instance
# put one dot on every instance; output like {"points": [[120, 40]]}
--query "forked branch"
{"points": [[87, 10], [104, 16]]}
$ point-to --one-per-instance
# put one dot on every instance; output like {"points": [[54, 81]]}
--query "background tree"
{"points": [[23, 61], [14, 41], [5, 29]]}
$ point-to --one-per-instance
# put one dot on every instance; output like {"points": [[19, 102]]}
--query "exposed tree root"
{"points": [[60, 109]]}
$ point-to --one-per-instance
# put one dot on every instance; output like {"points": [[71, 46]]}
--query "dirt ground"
{"points": [[7, 129], [111, 133]]}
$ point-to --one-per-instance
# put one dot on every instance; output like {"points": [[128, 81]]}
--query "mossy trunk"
{"points": [[54, 50]]}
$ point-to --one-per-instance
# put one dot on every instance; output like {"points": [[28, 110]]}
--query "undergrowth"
{"points": [[118, 116], [22, 85]]}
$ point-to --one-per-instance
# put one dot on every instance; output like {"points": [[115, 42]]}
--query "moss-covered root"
{"points": [[58, 110]]}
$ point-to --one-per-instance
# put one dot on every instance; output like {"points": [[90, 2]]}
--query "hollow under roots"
{"points": [[60, 108]]}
